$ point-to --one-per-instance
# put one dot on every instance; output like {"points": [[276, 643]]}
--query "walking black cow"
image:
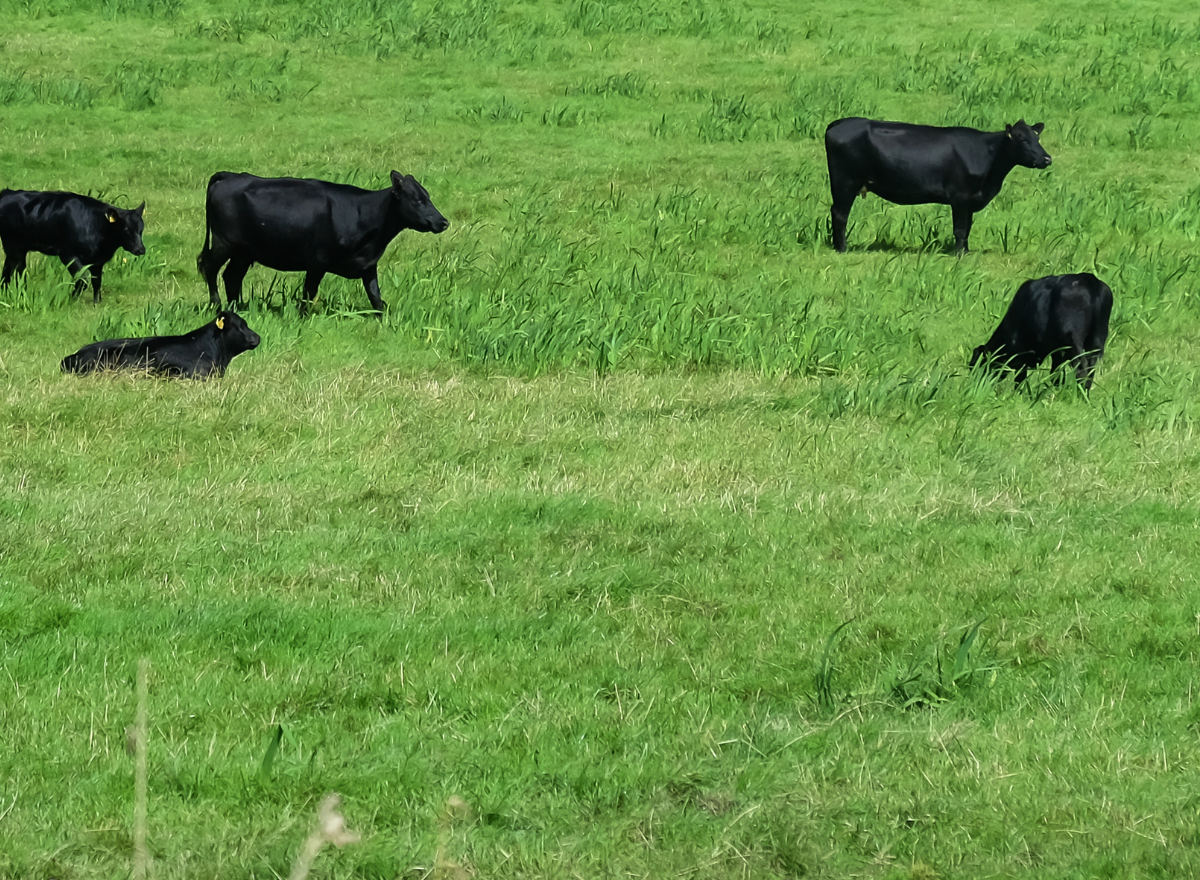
{"points": [[204, 352], [1063, 316], [309, 226], [79, 230], [923, 164]]}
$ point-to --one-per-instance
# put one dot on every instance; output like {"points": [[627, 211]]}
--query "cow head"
{"points": [[126, 227], [235, 335], [416, 209], [1026, 148]]}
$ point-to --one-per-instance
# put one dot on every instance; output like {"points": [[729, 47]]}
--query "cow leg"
{"points": [[75, 267], [1085, 367], [97, 275], [1022, 364], [839, 214], [312, 281], [210, 267], [1093, 351], [371, 284], [962, 217], [1057, 359], [234, 273], [14, 263]]}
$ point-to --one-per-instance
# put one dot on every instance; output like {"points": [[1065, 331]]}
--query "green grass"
{"points": [[672, 542]]}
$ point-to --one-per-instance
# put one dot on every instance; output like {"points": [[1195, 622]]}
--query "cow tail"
{"points": [[205, 250]]}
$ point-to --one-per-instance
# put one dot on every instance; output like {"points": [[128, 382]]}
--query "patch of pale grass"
{"points": [[330, 829]]}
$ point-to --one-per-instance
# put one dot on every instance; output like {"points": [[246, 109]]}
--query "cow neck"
{"points": [[393, 220], [1002, 163]]}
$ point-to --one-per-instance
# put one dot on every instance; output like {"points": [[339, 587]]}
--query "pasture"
{"points": [[664, 538]]}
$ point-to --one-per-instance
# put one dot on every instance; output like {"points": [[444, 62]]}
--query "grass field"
{"points": [[670, 541]]}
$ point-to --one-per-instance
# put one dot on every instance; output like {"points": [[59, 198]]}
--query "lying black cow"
{"points": [[1063, 316], [204, 352], [79, 230], [922, 164], [309, 226]]}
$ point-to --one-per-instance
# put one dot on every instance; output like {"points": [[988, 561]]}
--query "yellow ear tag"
{"points": [[112, 218], [220, 323]]}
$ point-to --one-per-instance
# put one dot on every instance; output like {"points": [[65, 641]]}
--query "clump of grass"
{"points": [[17, 87], [927, 682], [825, 670], [729, 118], [235, 28], [631, 84]]}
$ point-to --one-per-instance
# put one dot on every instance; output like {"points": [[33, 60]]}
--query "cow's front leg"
{"points": [[97, 276], [962, 216], [312, 281], [371, 284], [75, 267], [1022, 363]]}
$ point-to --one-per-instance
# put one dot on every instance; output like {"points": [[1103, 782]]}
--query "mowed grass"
{"points": [[670, 541]]}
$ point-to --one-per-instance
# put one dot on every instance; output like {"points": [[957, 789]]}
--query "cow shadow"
{"points": [[891, 247]]}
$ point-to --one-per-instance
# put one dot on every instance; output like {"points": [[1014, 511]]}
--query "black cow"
{"points": [[923, 164], [204, 352], [1063, 316], [309, 226], [79, 230]]}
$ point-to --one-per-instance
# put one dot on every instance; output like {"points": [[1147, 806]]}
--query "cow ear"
{"points": [[140, 209], [397, 180], [1038, 128], [221, 323], [1008, 130]]}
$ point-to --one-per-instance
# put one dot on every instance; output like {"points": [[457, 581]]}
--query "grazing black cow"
{"points": [[79, 230], [204, 352], [923, 164], [308, 226], [1063, 316]]}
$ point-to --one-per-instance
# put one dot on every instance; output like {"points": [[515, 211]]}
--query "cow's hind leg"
{"points": [[962, 217], [839, 214], [1093, 343], [234, 273], [1057, 360], [312, 282], [209, 263], [1085, 367], [14, 264]]}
